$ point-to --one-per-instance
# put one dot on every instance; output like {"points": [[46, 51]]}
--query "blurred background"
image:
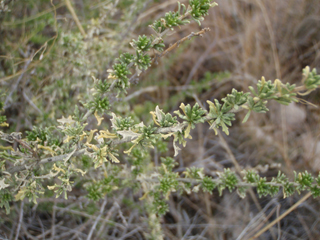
{"points": [[248, 39]]}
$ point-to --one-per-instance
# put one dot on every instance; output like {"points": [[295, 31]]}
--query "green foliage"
{"points": [[171, 19], [265, 89], [121, 123], [98, 189], [98, 104], [304, 180], [318, 180], [265, 189], [259, 106], [200, 9], [5, 199], [120, 72], [311, 79], [194, 173], [234, 100], [163, 119], [169, 163], [138, 157], [208, 185], [43, 135], [286, 94], [220, 115], [228, 179], [148, 134], [251, 176], [125, 58], [71, 128], [3, 119], [159, 45], [168, 183], [31, 190], [159, 205], [143, 62], [315, 190], [143, 44], [192, 115], [288, 189], [256, 106]]}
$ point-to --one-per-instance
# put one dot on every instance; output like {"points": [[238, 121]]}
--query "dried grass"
{"points": [[239, 42]]}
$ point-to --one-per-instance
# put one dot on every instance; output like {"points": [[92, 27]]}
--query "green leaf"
{"points": [[143, 44], [311, 78], [246, 117], [208, 185], [220, 116]]}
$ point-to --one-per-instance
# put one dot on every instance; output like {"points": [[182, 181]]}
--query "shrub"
{"points": [[113, 154]]}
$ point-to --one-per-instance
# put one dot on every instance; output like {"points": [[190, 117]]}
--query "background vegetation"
{"points": [[248, 39]]}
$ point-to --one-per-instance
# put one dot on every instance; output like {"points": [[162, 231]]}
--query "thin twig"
{"points": [[53, 221], [130, 233], [279, 227], [76, 231], [25, 67], [282, 216], [265, 219], [109, 215], [20, 220], [139, 92], [26, 232], [31, 103], [89, 216], [44, 161], [191, 226], [97, 219], [176, 44], [255, 221], [48, 231]]}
